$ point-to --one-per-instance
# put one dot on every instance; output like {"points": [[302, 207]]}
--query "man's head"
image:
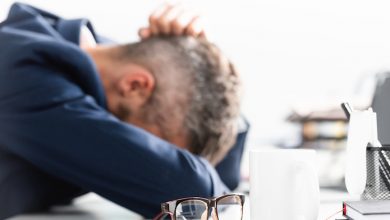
{"points": [[181, 89]]}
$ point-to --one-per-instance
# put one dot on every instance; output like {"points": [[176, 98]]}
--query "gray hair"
{"points": [[196, 86]]}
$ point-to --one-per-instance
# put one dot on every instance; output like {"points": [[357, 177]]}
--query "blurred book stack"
{"points": [[325, 131], [322, 129]]}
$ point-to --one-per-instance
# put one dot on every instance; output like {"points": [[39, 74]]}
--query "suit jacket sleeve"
{"points": [[229, 168]]}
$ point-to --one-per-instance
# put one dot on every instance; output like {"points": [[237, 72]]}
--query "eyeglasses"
{"points": [[227, 207]]}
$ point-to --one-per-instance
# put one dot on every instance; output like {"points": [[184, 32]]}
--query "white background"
{"points": [[289, 52]]}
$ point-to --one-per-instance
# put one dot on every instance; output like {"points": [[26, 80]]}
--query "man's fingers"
{"points": [[203, 35], [195, 28], [145, 33], [163, 21], [181, 23], [166, 19], [154, 18]]}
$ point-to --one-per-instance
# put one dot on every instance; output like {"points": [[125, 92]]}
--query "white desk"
{"points": [[87, 207], [93, 207]]}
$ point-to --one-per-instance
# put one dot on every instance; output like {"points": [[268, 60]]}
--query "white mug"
{"points": [[283, 185]]}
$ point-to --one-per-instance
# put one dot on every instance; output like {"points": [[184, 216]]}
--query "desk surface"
{"points": [[93, 207]]}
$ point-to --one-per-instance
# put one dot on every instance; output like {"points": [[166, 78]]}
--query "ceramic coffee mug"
{"points": [[283, 185]]}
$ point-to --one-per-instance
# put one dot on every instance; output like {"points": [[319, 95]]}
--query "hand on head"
{"points": [[173, 20]]}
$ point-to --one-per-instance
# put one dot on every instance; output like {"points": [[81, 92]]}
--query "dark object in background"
{"points": [[381, 105], [347, 109]]}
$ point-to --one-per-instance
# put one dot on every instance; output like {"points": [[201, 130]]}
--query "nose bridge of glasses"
{"points": [[168, 207], [212, 203], [213, 213], [165, 207]]}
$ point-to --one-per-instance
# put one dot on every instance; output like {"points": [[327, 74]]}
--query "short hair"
{"points": [[196, 84]]}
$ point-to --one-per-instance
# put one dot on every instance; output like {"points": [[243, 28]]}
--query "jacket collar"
{"points": [[70, 29]]}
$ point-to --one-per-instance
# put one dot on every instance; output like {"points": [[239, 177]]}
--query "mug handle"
{"points": [[310, 192]]}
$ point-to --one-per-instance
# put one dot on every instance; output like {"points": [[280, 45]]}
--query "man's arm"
{"points": [[229, 169], [65, 133]]}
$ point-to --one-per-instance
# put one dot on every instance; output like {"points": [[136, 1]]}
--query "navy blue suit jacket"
{"points": [[57, 139]]}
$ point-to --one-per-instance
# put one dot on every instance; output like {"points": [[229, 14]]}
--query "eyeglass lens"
{"points": [[229, 208], [191, 210]]}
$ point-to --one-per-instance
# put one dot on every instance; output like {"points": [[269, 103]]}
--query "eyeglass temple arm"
{"points": [[164, 211], [161, 216]]}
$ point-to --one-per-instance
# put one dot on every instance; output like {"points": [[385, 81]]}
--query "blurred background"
{"points": [[295, 58]]}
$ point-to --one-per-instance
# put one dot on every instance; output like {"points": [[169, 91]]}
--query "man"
{"points": [[124, 121]]}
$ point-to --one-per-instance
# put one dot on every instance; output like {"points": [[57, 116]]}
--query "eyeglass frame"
{"points": [[166, 207]]}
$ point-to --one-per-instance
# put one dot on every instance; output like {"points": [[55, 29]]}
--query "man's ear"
{"points": [[136, 84]]}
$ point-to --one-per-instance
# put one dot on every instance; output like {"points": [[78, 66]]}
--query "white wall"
{"points": [[289, 51]]}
